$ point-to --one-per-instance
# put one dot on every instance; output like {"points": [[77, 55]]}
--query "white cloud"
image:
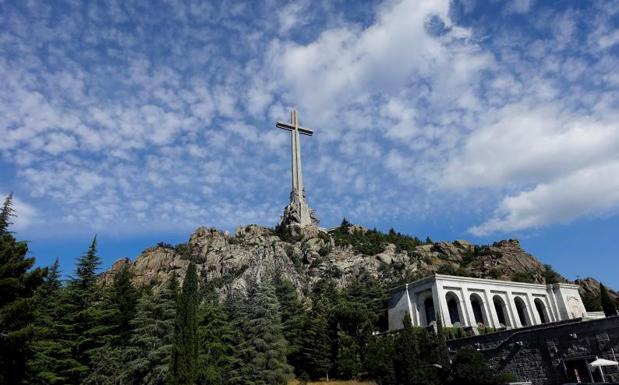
{"points": [[347, 65], [518, 6], [291, 16], [589, 191], [523, 144]]}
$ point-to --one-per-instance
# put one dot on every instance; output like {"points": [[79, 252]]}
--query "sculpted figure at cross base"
{"points": [[297, 211]]}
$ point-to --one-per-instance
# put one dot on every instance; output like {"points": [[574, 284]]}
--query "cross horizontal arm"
{"points": [[289, 127]]}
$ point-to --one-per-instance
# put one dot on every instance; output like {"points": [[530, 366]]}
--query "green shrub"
{"points": [[524, 276]]}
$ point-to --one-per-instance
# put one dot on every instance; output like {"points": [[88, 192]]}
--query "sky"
{"points": [[139, 121]]}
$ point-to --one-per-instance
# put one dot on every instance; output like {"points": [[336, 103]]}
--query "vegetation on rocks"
{"points": [[259, 307]]}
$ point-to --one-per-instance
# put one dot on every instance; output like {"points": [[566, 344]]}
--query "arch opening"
{"points": [[521, 309], [454, 309], [541, 311], [501, 311], [478, 311]]}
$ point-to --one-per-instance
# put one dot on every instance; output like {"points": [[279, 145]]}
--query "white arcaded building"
{"points": [[463, 301]]}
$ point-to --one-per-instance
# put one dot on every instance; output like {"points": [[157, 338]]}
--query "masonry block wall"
{"points": [[550, 354]]}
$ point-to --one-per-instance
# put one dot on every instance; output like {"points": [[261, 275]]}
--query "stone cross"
{"points": [[298, 208]]}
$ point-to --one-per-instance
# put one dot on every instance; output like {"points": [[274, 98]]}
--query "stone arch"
{"points": [[453, 306], [522, 311], [501, 311], [541, 310], [479, 311]]}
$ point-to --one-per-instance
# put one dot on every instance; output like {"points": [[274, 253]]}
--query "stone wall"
{"points": [[549, 354]]}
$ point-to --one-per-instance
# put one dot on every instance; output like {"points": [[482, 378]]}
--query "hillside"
{"points": [[304, 255]]}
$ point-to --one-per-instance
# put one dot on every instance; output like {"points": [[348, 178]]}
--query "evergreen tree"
{"points": [[470, 368], [607, 304], [216, 352], [381, 350], [18, 302], [110, 329], [52, 353], [124, 299], [263, 347], [150, 346], [348, 360], [294, 319], [82, 320], [183, 366], [316, 357], [6, 213]]}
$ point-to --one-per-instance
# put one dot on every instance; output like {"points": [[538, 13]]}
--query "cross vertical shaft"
{"points": [[297, 211], [297, 178]]}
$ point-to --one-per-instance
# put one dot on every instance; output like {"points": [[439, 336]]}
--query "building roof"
{"points": [[456, 278]]}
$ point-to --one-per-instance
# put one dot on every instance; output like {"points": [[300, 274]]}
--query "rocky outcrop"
{"points": [[590, 287], [304, 254]]}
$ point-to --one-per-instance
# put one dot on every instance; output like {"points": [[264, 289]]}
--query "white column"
{"points": [[438, 304], [469, 309], [550, 312], [442, 305], [533, 315], [491, 311], [416, 313], [410, 306], [511, 309]]}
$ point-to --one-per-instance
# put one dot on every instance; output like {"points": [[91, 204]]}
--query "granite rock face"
{"points": [[304, 254]]}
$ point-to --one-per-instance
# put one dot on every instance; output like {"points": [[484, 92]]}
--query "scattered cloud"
{"points": [[591, 190], [141, 117]]}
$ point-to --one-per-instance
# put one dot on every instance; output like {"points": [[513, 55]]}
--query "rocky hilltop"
{"points": [[305, 254]]}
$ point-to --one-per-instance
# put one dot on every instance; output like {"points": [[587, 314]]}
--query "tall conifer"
{"points": [[150, 347], [263, 348], [183, 366], [18, 303], [294, 319], [6, 213], [216, 350], [52, 353], [79, 316]]}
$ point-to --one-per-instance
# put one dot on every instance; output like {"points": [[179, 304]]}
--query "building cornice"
{"points": [[455, 278]]}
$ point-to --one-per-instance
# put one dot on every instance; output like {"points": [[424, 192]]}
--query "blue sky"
{"points": [[142, 120]]}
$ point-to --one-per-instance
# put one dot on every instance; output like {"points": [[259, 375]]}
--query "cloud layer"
{"points": [[150, 116]]}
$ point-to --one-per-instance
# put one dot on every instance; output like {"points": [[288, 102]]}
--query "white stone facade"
{"points": [[463, 301]]}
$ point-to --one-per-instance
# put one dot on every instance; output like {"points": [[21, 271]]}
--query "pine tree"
{"points": [[18, 302], [348, 359], [262, 348], [316, 345], [216, 357], [110, 329], [607, 304], [294, 319], [80, 315], [470, 368], [52, 353], [124, 299], [6, 213], [183, 366], [150, 347]]}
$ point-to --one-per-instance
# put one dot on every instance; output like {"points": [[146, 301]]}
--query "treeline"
{"points": [[79, 331]]}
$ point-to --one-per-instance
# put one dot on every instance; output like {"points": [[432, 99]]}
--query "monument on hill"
{"points": [[297, 211]]}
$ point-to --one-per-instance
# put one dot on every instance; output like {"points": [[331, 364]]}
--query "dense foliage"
{"points": [[372, 242], [82, 331], [18, 285]]}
